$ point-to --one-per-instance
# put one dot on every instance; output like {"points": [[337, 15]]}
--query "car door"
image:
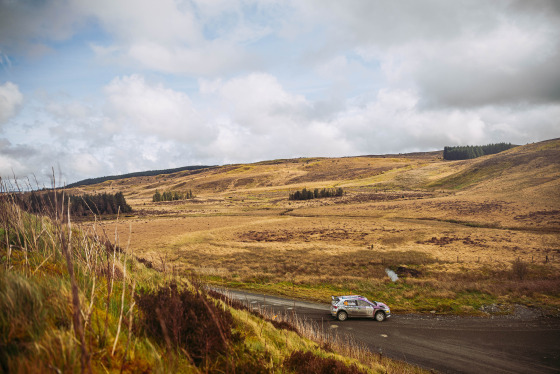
{"points": [[365, 309], [352, 308]]}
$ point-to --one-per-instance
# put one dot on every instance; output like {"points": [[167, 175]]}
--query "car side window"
{"points": [[363, 303], [351, 303]]}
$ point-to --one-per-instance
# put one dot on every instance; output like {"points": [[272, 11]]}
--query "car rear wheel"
{"points": [[380, 316], [342, 316]]}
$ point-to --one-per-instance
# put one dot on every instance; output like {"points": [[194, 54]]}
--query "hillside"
{"points": [[526, 174], [98, 180], [70, 301], [460, 227]]}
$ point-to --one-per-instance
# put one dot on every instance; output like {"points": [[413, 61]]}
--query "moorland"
{"points": [[464, 237], [71, 301]]}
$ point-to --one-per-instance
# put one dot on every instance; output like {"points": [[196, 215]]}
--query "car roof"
{"points": [[351, 297]]}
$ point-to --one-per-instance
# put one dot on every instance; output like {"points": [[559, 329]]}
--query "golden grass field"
{"points": [[451, 229]]}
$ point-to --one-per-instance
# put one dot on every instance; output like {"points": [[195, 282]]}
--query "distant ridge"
{"points": [[149, 173]]}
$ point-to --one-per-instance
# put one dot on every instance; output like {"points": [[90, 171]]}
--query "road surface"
{"points": [[522, 343]]}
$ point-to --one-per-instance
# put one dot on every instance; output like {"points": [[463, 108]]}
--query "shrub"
{"points": [[519, 269], [187, 320], [307, 362]]}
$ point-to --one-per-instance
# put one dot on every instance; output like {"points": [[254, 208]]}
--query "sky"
{"points": [[97, 88]]}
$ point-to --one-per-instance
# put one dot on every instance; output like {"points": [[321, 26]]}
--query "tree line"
{"points": [[306, 194], [474, 151], [171, 196], [80, 205]]}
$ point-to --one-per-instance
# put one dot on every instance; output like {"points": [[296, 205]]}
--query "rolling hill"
{"points": [[461, 228]]}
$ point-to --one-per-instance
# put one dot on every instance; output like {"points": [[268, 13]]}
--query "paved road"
{"points": [[523, 343]]}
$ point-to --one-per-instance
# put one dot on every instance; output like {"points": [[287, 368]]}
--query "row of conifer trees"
{"points": [[171, 196], [306, 194], [82, 205], [474, 151]]}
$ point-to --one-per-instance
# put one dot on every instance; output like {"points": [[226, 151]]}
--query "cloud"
{"points": [[257, 102], [144, 125], [189, 37], [134, 105], [166, 21], [210, 58], [395, 122], [475, 54], [260, 119], [26, 26], [21, 160], [472, 54], [10, 101], [507, 65], [195, 37]]}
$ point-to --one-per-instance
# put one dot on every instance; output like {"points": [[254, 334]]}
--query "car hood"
{"points": [[381, 305]]}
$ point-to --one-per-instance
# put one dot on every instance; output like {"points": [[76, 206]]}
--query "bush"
{"points": [[307, 362], [519, 269], [186, 320]]}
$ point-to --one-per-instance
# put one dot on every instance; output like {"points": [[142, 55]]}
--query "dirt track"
{"points": [[521, 343]]}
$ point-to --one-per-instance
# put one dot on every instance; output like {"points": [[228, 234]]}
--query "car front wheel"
{"points": [[380, 316], [342, 316]]}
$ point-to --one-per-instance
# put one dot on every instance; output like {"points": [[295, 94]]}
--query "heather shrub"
{"points": [[187, 320], [519, 269]]}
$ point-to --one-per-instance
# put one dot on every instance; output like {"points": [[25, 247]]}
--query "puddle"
{"points": [[394, 277]]}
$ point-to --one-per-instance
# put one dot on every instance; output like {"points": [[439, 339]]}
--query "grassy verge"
{"points": [[402, 297], [459, 293]]}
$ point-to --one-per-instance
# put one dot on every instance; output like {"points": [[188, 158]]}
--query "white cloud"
{"points": [[176, 36], [146, 126], [396, 122], [10, 101], [213, 57], [154, 110], [165, 21], [258, 102], [85, 164], [8, 165]]}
